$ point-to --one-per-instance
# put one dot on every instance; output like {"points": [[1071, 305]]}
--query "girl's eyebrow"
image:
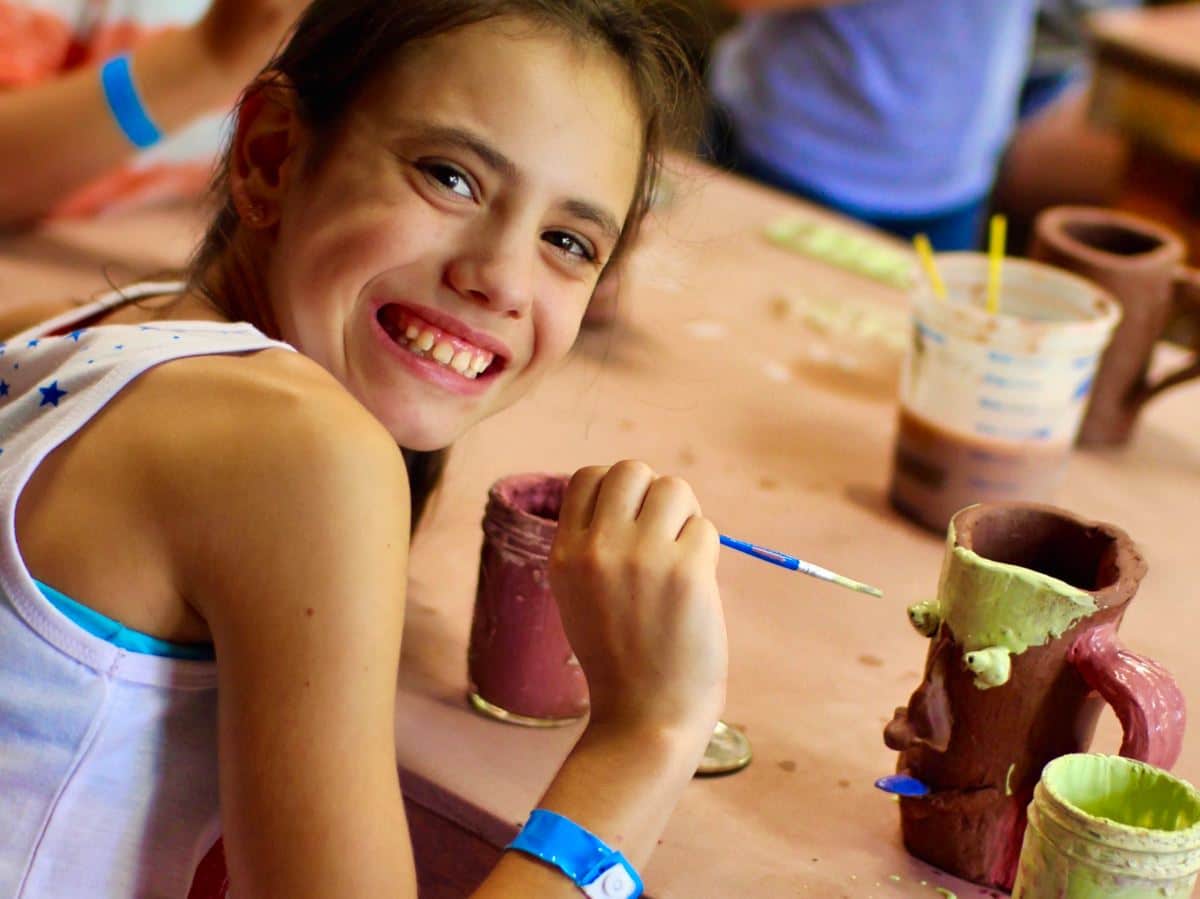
{"points": [[463, 139], [502, 165], [590, 212]]}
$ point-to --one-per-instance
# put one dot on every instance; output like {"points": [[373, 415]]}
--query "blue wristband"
{"points": [[601, 872], [125, 105]]}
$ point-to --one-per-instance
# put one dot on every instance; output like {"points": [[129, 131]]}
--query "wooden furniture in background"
{"points": [[1147, 86]]}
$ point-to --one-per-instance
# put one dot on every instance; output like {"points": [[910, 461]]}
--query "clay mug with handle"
{"points": [[1141, 263], [1023, 655]]}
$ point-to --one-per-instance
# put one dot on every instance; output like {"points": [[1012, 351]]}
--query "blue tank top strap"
{"points": [[119, 635]]}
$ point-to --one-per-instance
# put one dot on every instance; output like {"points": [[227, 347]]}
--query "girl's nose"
{"points": [[497, 272]]}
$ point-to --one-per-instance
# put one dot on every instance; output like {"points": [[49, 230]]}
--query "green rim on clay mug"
{"points": [[1108, 827]]}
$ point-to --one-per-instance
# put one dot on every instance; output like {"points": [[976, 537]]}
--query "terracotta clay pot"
{"points": [[987, 719], [521, 667], [1141, 264]]}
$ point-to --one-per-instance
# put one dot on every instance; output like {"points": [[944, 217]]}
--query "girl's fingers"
{"points": [[701, 535], [622, 493], [579, 502], [669, 504]]}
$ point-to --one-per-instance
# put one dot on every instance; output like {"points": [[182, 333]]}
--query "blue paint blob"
{"points": [[902, 785]]}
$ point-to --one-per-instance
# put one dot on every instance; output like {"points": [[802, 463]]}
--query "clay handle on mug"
{"points": [[1187, 301], [1148, 702]]}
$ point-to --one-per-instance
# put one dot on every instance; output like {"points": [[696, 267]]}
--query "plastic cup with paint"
{"points": [[990, 404], [1106, 827], [520, 665]]}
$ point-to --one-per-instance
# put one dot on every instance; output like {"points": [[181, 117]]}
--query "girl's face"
{"points": [[439, 260]]}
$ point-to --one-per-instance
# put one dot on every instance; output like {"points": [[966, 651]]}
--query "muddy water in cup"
{"points": [[938, 471], [990, 404]]}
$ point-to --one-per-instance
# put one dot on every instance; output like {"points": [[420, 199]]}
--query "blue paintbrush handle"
{"points": [[783, 560], [761, 552]]}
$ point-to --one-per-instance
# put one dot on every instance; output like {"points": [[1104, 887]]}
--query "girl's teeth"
{"points": [[424, 342]]}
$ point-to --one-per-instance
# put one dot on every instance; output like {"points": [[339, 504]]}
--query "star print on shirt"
{"points": [[75, 335], [33, 343], [51, 395]]}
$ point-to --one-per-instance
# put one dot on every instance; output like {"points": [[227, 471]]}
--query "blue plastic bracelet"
{"points": [[584, 858], [125, 105]]}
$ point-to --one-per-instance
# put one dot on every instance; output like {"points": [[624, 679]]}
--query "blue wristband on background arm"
{"points": [[125, 105], [601, 872]]}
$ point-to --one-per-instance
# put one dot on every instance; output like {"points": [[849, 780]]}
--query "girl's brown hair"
{"points": [[338, 46]]}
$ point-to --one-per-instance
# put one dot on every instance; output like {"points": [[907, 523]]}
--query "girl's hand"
{"points": [[633, 568]]}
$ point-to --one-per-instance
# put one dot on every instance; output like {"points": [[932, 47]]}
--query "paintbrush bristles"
{"points": [[841, 580]]}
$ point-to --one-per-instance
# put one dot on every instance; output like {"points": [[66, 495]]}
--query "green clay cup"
{"points": [[1108, 827]]}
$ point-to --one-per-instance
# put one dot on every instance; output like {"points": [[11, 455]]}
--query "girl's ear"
{"points": [[263, 152]]}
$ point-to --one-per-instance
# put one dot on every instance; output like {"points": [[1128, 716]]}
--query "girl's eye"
{"points": [[449, 178], [568, 243]]}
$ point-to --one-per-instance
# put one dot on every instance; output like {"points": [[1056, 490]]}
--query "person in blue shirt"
{"points": [[895, 112]]}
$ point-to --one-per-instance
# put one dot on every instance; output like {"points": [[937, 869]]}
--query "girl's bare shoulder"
{"points": [[271, 405], [207, 477], [254, 450], [244, 403]]}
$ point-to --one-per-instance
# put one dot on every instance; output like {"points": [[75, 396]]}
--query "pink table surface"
{"points": [[784, 424]]}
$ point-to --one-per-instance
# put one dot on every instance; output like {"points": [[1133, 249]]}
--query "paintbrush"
{"points": [[785, 561]]}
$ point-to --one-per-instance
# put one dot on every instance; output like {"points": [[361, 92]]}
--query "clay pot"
{"points": [[1141, 264], [986, 720], [520, 665]]}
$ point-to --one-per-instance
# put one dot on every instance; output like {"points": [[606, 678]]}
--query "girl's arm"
{"points": [[622, 787], [296, 556], [59, 135]]}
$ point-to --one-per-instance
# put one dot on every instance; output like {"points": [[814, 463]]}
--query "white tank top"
{"points": [[108, 759]]}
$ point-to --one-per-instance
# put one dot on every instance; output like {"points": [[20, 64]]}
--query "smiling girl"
{"points": [[206, 505]]}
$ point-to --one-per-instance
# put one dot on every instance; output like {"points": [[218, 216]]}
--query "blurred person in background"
{"points": [[65, 77], [1056, 155], [895, 112]]}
